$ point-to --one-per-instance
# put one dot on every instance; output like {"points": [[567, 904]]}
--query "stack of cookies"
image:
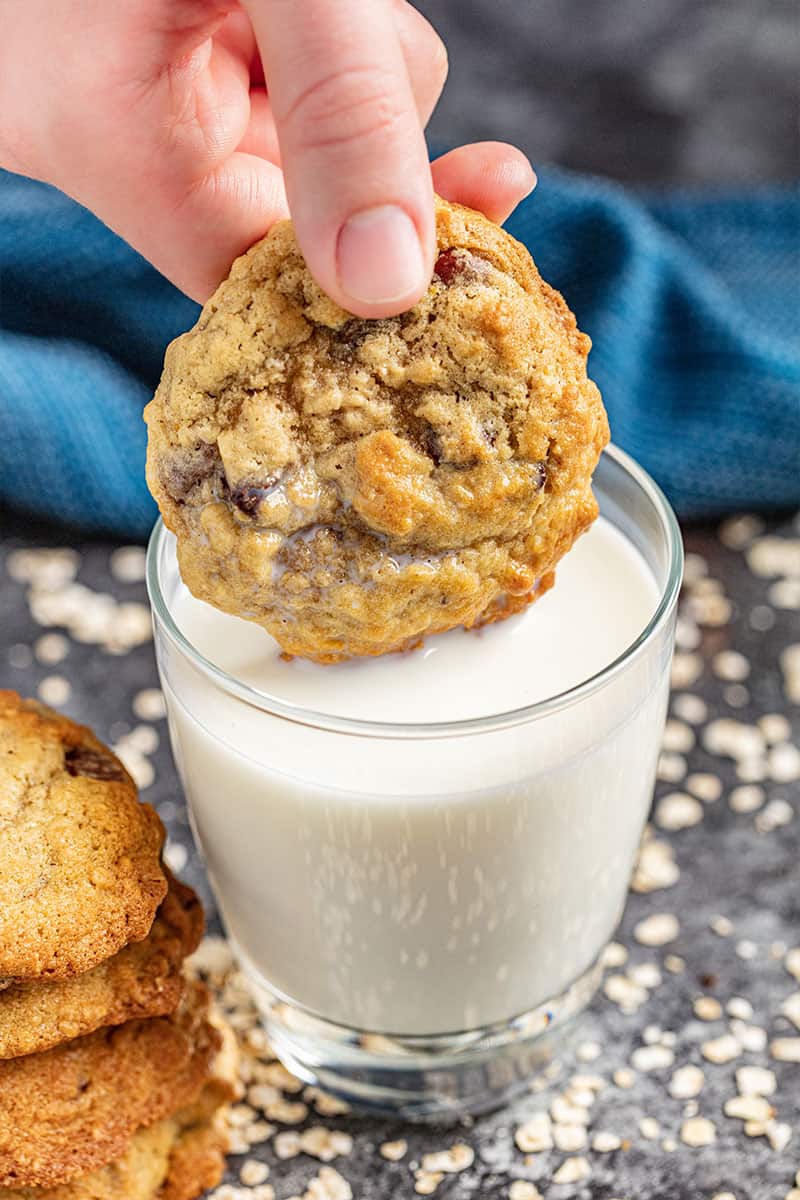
{"points": [[113, 1070]]}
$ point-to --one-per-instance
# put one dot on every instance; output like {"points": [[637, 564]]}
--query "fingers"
{"points": [[491, 177], [425, 56], [357, 175]]}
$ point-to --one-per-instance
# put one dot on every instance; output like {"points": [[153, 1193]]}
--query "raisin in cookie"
{"points": [[355, 485], [80, 875], [76, 1108], [143, 980]]}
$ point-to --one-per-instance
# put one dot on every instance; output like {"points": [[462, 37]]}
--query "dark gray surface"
{"points": [[726, 868], [653, 91]]}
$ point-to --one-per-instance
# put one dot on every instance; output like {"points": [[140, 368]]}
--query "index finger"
{"points": [[353, 151]]}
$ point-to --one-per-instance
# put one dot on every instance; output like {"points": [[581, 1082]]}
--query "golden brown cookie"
{"points": [[73, 1109], [143, 980], [80, 875], [178, 1158], [356, 485]]}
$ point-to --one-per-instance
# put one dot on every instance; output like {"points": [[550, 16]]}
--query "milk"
{"points": [[416, 879]]}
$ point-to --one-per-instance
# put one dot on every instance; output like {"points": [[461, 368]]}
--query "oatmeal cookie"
{"points": [[143, 980], [177, 1158], [80, 875], [355, 485], [73, 1109]]}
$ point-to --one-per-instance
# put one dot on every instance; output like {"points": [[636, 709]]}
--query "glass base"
{"points": [[420, 1078]]}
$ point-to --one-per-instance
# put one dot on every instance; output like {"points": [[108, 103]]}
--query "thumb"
{"points": [[352, 148]]}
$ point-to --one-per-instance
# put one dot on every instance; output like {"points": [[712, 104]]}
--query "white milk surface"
{"points": [[422, 886]]}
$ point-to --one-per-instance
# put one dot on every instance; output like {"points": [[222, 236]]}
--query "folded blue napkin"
{"points": [[693, 304]]}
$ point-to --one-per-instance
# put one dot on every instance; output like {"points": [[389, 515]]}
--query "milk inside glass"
{"points": [[418, 885]]}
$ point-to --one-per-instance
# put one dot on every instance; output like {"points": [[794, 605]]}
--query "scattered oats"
{"points": [[286, 1111], [688, 707], [792, 962], [47, 570], [730, 665], [695, 568], [572, 1170], [675, 964], [723, 1196], [711, 609], [458, 1158], [737, 533], [521, 1189], [721, 926], [646, 974], [655, 867], [733, 739], [212, 957], [128, 564], [587, 1052], [394, 1151], [706, 787], [785, 593], [671, 767], [624, 1078], [749, 1108], [569, 1138], [20, 656], [678, 810], [686, 669], [143, 738], [775, 728], [176, 856], [614, 955], [580, 1097], [751, 770], [54, 690], [791, 1008], [620, 990], [691, 1108], [771, 556], [783, 763], [652, 1034], [535, 1134], [605, 1143], [427, 1183], [253, 1172], [261, 1094], [649, 1128], [785, 1049], [738, 1007], [148, 705], [51, 648], [669, 1038], [746, 949], [277, 1075], [324, 1144], [287, 1144], [652, 1058], [751, 1037], [722, 1049], [698, 1131], [687, 1082], [669, 1145], [687, 634], [779, 1135], [328, 1185], [587, 1083], [325, 1104], [678, 738], [565, 1113], [135, 762], [747, 798], [657, 930]]}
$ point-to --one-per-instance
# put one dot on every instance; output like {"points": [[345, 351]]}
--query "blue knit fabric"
{"points": [[693, 304]]}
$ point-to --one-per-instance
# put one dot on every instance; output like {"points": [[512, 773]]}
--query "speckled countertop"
{"points": [[702, 982]]}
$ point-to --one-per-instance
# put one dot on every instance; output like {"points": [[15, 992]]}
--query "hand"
{"points": [[155, 114]]}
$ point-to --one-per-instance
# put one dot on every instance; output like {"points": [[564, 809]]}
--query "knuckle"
{"points": [[339, 110]]}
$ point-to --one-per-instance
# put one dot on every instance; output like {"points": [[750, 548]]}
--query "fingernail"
{"points": [[379, 256]]}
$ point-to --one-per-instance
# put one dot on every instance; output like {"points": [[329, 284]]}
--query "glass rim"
{"points": [[356, 726]]}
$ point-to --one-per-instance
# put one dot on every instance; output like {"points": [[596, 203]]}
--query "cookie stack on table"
{"points": [[114, 1072]]}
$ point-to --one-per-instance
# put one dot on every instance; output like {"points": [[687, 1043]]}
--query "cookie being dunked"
{"points": [[355, 486]]}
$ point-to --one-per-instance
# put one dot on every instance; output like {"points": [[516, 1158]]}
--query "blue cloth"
{"points": [[693, 304]]}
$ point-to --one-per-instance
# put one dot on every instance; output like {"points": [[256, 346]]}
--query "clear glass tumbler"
{"points": [[412, 949]]}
